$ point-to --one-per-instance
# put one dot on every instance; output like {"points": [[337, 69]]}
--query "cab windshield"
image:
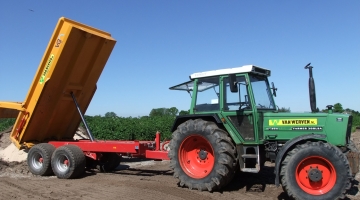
{"points": [[208, 93], [262, 94]]}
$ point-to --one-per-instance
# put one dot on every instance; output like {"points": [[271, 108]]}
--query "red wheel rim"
{"points": [[319, 165], [196, 156]]}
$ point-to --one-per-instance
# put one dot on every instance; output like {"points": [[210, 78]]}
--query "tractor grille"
{"points": [[348, 130]]}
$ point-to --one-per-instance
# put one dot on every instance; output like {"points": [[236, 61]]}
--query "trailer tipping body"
{"points": [[73, 61]]}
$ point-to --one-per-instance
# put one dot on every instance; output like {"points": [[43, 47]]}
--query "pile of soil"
{"points": [[12, 160], [4, 138]]}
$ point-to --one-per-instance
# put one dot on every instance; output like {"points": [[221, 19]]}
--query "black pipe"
{"points": [[312, 93], [82, 118]]}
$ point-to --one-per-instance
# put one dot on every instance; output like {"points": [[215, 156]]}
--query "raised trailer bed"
{"points": [[60, 93]]}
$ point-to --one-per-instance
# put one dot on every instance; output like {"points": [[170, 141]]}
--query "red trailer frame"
{"points": [[91, 147]]}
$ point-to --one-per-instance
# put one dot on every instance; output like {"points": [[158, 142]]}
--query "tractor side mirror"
{"points": [[273, 88], [233, 83]]}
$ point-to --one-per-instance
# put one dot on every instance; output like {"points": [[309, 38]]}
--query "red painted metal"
{"points": [[327, 171], [157, 141], [157, 155], [145, 149], [196, 156], [134, 147], [21, 125]]}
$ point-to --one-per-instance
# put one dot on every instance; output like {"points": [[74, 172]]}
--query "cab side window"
{"points": [[239, 100]]}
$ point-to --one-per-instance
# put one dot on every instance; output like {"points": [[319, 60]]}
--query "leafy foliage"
{"points": [[338, 108], [156, 112], [283, 109], [129, 128], [6, 123], [356, 119], [110, 114], [184, 112]]}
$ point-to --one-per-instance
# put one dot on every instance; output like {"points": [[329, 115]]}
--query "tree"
{"points": [[338, 108], [283, 109], [155, 112], [184, 112], [173, 111], [110, 114]]}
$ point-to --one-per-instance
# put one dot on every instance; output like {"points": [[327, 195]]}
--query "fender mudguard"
{"points": [[182, 118]]}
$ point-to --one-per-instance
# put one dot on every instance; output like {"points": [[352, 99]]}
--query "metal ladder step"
{"points": [[249, 156]]}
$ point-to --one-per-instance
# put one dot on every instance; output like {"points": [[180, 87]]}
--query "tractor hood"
{"points": [[285, 126]]}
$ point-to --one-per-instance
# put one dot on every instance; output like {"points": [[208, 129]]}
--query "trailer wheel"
{"points": [[68, 162], [39, 159], [109, 162], [315, 170], [202, 155]]}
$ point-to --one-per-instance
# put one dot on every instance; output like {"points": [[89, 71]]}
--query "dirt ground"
{"points": [[136, 179]]}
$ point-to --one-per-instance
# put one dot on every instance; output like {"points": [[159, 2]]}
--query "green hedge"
{"points": [[356, 122], [119, 128], [6, 123]]}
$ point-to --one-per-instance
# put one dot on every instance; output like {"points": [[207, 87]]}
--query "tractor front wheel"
{"points": [[202, 155], [315, 170]]}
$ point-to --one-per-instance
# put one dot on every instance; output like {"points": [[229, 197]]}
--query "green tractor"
{"points": [[234, 125]]}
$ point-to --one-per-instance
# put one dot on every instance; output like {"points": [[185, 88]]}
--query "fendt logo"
{"points": [[289, 122]]}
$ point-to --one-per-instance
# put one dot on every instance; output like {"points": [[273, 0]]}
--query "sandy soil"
{"points": [[136, 179]]}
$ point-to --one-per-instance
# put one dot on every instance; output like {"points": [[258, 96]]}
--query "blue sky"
{"points": [[161, 42]]}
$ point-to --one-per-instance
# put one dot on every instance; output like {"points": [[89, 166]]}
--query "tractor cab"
{"points": [[236, 95], [212, 90]]}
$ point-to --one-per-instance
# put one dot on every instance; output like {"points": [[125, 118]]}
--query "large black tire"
{"points": [[39, 159], [202, 155], [315, 170], [68, 162], [109, 162]]}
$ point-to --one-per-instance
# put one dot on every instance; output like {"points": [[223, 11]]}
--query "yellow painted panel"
{"points": [[73, 62]]}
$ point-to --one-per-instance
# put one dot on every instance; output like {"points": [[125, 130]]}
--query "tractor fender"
{"points": [[207, 117], [287, 147]]}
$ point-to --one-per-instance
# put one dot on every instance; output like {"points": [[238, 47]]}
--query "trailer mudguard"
{"points": [[286, 148]]}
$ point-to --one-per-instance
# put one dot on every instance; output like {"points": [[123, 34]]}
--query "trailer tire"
{"points": [[39, 159], [109, 162], [202, 155], [315, 170], [68, 162]]}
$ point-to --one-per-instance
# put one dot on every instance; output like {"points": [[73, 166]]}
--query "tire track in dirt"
{"points": [[22, 192]]}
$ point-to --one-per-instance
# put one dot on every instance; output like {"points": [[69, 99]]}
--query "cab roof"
{"points": [[244, 69]]}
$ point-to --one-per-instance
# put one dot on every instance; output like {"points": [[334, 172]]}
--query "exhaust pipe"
{"points": [[312, 93]]}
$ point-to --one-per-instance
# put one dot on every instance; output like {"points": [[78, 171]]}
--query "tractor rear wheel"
{"points": [[202, 155], [68, 162], [315, 170], [39, 159]]}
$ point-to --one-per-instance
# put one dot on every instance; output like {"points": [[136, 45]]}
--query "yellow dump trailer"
{"points": [[60, 93], [72, 63]]}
